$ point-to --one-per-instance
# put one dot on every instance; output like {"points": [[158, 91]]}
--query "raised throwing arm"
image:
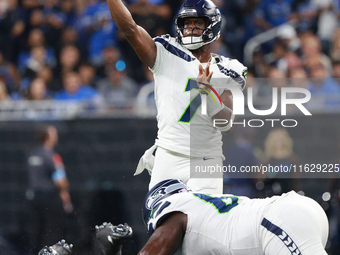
{"points": [[139, 39]]}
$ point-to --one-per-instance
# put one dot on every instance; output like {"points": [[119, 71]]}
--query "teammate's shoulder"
{"points": [[182, 196]]}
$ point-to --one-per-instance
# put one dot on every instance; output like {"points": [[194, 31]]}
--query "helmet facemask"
{"points": [[194, 40]]}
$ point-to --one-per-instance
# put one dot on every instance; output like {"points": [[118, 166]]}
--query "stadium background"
{"points": [[109, 120]]}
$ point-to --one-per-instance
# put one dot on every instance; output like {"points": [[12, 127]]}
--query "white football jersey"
{"points": [[216, 224], [181, 126]]}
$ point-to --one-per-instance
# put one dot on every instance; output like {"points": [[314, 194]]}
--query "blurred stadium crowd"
{"points": [[72, 50]]}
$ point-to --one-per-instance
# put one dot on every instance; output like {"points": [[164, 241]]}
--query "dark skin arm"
{"points": [[139, 39], [168, 237]]}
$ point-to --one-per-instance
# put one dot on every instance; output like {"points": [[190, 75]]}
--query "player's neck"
{"points": [[203, 54]]}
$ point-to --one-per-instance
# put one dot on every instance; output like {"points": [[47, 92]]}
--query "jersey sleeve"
{"points": [[235, 72], [163, 209], [160, 211], [161, 42], [239, 74]]}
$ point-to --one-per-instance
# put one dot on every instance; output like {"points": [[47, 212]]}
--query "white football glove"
{"points": [[146, 161]]}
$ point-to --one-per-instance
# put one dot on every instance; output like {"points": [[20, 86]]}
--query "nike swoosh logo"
{"points": [[207, 158]]}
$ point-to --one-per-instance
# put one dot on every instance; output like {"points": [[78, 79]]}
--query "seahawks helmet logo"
{"points": [[154, 198], [162, 192]]}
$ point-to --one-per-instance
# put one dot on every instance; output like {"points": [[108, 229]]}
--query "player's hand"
{"points": [[111, 238], [204, 78]]}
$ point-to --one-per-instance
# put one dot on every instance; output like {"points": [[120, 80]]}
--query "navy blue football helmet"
{"points": [[199, 9], [160, 191]]}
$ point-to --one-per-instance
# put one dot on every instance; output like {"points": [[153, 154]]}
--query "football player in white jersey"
{"points": [[202, 224], [185, 70]]}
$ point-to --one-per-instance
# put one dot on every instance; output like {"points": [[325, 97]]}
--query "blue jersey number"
{"points": [[194, 104], [222, 204]]}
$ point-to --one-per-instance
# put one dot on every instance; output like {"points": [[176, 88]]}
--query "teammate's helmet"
{"points": [[160, 191], [203, 9]]}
